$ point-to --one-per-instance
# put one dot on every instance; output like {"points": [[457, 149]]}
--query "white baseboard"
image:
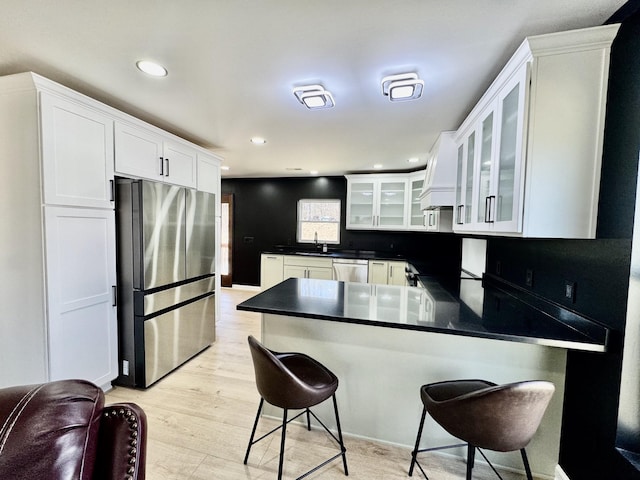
{"points": [[560, 475], [237, 286]]}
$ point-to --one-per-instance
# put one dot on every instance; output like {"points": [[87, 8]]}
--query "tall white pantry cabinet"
{"points": [[58, 268], [58, 308]]}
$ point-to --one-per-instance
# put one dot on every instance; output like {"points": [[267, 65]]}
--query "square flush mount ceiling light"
{"points": [[404, 86], [314, 96]]}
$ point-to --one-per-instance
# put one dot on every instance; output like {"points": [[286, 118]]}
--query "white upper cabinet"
{"points": [[180, 163], [138, 152], [377, 202], [77, 153], [416, 218], [146, 153], [529, 153], [208, 173]]}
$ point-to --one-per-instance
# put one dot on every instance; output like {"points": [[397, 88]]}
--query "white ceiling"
{"points": [[233, 63]]}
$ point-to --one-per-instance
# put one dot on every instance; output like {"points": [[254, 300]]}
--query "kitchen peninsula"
{"points": [[383, 342]]}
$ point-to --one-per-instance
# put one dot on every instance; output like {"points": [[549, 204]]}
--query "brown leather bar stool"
{"points": [[502, 418], [293, 381]]}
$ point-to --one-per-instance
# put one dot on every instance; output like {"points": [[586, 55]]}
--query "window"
{"points": [[319, 221]]}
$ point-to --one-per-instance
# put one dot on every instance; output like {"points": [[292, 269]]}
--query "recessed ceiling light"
{"points": [[258, 141], [377, 166], [413, 160], [224, 167], [313, 172], [151, 68], [404, 86], [314, 96]]}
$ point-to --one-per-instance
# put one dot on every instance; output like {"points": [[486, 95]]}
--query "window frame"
{"points": [[300, 222]]}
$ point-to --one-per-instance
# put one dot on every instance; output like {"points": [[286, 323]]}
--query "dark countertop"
{"points": [[331, 253], [485, 309]]}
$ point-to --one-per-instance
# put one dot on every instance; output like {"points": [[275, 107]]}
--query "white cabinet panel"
{"points": [[378, 272], [271, 270], [77, 153], [138, 152], [208, 173], [300, 266], [179, 164], [144, 153], [80, 261]]}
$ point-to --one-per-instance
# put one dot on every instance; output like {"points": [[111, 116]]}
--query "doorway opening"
{"points": [[226, 240]]}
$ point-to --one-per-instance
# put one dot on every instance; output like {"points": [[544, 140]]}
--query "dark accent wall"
{"points": [[265, 213]]}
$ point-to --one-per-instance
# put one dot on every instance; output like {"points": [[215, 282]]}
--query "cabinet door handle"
{"points": [[112, 191], [161, 166], [490, 209], [166, 169], [114, 296], [459, 215], [487, 209]]}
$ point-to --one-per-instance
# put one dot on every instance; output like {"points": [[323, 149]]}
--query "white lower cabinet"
{"points": [[81, 276], [271, 270], [387, 272], [301, 266]]}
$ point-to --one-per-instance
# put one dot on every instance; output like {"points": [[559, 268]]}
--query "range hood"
{"points": [[439, 186]]}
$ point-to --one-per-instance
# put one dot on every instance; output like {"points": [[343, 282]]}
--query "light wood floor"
{"points": [[200, 419]]}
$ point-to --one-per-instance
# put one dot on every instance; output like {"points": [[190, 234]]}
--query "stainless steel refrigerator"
{"points": [[166, 271]]}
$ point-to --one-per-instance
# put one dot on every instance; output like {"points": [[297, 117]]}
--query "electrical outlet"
{"points": [[125, 368], [529, 278], [570, 290]]}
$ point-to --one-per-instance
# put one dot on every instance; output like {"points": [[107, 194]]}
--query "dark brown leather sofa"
{"points": [[62, 431]]}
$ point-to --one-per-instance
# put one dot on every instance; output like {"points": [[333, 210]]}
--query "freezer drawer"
{"points": [[172, 338], [150, 303]]}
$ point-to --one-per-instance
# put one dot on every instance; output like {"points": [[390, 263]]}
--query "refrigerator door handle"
{"points": [[114, 296]]}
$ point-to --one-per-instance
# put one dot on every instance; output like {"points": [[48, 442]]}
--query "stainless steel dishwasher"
{"points": [[350, 270]]}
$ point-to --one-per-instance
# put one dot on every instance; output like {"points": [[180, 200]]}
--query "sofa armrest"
{"points": [[122, 443]]}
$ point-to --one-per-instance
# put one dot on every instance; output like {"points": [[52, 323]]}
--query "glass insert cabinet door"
{"points": [[507, 207], [392, 204], [362, 204], [508, 151], [468, 196], [416, 219], [484, 180]]}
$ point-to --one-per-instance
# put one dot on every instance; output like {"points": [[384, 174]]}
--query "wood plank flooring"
{"points": [[200, 418]]}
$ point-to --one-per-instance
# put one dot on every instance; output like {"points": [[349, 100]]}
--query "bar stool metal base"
{"points": [[283, 427]]}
